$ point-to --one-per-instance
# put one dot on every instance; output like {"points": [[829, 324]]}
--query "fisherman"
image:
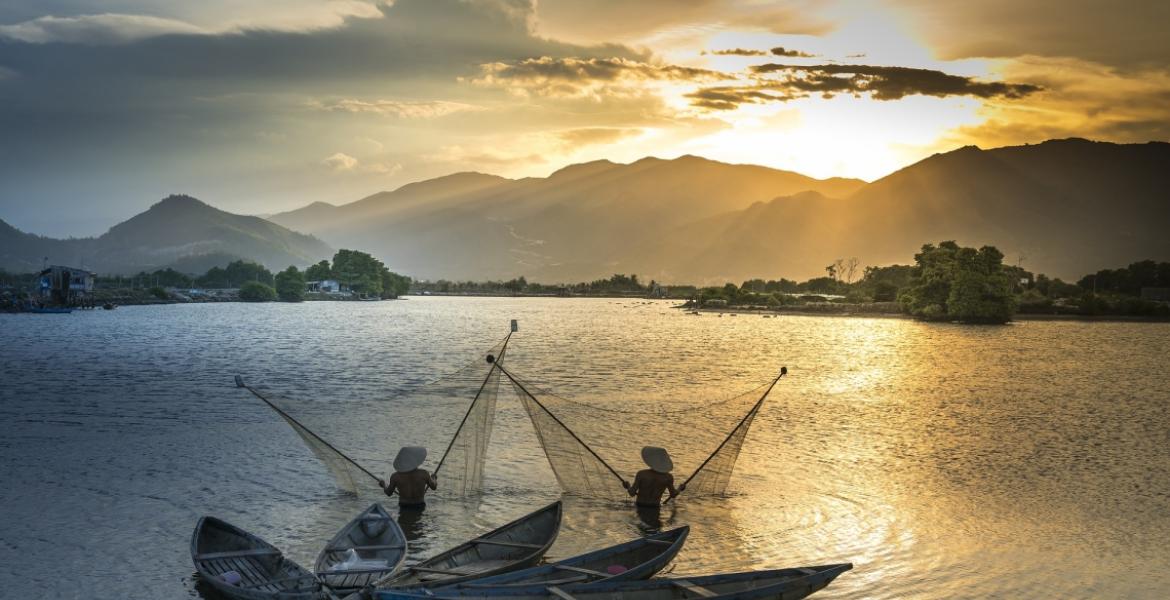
{"points": [[409, 480], [650, 483]]}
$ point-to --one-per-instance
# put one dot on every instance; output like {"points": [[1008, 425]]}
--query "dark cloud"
{"points": [[739, 52], [730, 97], [782, 51], [574, 69], [887, 83], [132, 112], [782, 83]]}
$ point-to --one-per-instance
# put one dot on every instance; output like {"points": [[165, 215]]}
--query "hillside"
{"points": [[179, 230], [582, 221]]}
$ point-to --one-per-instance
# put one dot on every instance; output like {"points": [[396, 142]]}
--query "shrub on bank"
{"points": [[254, 291]]}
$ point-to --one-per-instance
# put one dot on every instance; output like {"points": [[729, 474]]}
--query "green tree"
{"points": [[393, 284], [254, 291], [360, 271], [961, 284], [319, 272], [290, 285]]}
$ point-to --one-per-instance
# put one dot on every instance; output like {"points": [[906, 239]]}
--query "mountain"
{"points": [[581, 222], [177, 231]]}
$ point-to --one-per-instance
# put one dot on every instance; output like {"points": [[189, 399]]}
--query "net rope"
{"points": [[584, 441], [316, 422], [462, 463]]}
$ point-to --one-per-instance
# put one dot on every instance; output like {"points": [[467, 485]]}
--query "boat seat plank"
{"points": [[440, 571], [346, 572], [559, 593], [561, 581], [378, 547], [279, 581], [581, 570], [695, 589], [249, 570], [235, 553], [503, 543]]}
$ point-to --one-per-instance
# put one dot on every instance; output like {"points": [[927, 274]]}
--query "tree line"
{"points": [[360, 272]]}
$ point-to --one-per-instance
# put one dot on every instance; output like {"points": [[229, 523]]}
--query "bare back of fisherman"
{"points": [[650, 483], [410, 481]]}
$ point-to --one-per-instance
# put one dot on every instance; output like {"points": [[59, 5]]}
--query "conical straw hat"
{"points": [[657, 458], [409, 458]]}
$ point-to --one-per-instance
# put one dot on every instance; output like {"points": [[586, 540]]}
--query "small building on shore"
{"points": [[65, 286], [325, 286]]}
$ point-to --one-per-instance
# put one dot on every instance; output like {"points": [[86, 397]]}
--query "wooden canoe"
{"points": [[637, 559], [779, 584], [219, 548], [375, 538], [517, 545]]}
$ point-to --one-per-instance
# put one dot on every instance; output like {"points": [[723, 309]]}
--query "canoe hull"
{"points": [[640, 558], [373, 535], [516, 545], [778, 584], [218, 548]]}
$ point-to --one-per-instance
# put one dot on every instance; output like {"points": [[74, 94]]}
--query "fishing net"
{"points": [[471, 390], [462, 463], [593, 446]]}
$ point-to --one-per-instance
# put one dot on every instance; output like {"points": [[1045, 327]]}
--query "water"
{"points": [[1027, 461]]}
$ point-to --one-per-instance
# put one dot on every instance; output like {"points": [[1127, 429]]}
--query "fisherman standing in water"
{"points": [[409, 480], [650, 483]]}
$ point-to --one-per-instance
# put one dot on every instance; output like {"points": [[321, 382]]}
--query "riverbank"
{"points": [[871, 311]]}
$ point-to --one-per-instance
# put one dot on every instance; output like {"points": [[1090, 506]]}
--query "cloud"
{"points": [[104, 29], [577, 77], [782, 51], [427, 109], [731, 97], [627, 21], [738, 52], [339, 162], [588, 136], [1127, 36], [1082, 99]]}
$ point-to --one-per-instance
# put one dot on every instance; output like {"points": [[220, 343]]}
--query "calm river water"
{"points": [[1026, 461]]}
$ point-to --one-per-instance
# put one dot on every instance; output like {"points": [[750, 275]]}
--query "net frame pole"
{"points": [[474, 401], [562, 424], [755, 408], [240, 383]]}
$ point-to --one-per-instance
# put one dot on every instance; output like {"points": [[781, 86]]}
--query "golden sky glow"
{"points": [[261, 110]]}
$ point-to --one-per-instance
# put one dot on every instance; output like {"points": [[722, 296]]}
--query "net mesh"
{"points": [[584, 440], [344, 472], [323, 428], [577, 469], [713, 477], [463, 462]]}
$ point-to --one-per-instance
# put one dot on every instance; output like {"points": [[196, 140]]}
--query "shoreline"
{"points": [[790, 312]]}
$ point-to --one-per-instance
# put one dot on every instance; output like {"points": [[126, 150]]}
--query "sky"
{"points": [[257, 106]]}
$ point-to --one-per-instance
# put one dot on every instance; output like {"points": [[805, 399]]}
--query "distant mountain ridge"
{"points": [[178, 230], [577, 223], [1063, 207]]}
